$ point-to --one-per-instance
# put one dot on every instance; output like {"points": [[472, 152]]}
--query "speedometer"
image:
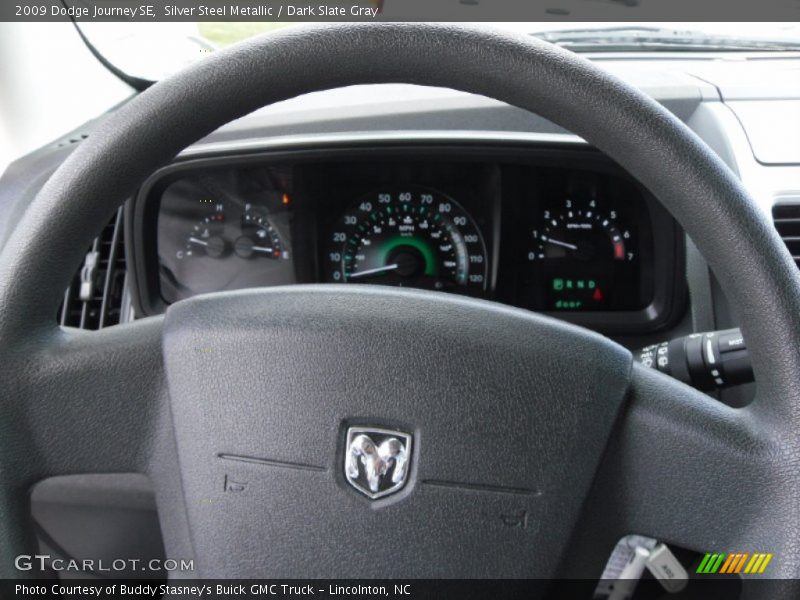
{"points": [[417, 238]]}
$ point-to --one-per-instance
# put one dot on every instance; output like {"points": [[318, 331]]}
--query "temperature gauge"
{"points": [[206, 237]]}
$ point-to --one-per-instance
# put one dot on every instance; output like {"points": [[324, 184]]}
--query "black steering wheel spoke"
{"points": [[683, 468], [78, 402]]}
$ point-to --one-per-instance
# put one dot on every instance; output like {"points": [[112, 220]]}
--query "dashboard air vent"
{"points": [[95, 297], [786, 216]]}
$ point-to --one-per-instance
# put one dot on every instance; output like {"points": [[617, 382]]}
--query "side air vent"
{"points": [[786, 216], [96, 296]]}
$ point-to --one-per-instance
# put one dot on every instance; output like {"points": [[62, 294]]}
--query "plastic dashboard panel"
{"points": [[490, 164]]}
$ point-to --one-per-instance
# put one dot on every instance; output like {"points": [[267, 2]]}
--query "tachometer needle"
{"points": [[559, 243], [194, 240], [374, 271], [262, 249]]}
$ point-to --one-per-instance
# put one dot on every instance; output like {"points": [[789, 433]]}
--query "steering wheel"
{"points": [[536, 444]]}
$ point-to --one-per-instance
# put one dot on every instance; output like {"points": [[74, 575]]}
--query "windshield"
{"points": [[153, 50]]}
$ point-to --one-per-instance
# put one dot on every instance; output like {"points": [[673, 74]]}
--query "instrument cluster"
{"points": [[561, 232], [223, 230]]}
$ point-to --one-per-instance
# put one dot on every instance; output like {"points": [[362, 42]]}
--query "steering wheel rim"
{"points": [[752, 450]]}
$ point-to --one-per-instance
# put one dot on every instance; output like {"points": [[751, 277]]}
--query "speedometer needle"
{"points": [[559, 243], [374, 271], [194, 240], [262, 249]]}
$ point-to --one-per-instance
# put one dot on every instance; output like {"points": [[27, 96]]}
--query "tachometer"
{"points": [[407, 237], [582, 234], [587, 257]]}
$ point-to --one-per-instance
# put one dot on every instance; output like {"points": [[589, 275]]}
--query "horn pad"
{"points": [[507, 415]]}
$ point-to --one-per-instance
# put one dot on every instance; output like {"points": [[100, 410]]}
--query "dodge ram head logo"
{"points": [[376, 460]]}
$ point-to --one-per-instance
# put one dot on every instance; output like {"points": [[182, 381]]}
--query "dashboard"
{"points": [[328, 150], [347, 148], [556, 230]]}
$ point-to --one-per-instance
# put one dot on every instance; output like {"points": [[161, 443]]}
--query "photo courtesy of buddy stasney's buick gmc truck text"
{"points": [[148, 590]]}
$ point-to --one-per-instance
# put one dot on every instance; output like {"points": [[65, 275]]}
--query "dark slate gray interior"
{"points": [[75, 402]]}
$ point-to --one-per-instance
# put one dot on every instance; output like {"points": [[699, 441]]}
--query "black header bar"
{"points": [[151, 11]]}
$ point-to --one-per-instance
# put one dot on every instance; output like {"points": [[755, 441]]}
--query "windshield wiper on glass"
{"points": [[622, 39]]}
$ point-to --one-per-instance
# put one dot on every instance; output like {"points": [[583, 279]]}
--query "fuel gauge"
{"points": [[259, 238]]}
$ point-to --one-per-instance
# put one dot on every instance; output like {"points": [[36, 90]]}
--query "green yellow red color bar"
{"points": [[734, 562]]}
